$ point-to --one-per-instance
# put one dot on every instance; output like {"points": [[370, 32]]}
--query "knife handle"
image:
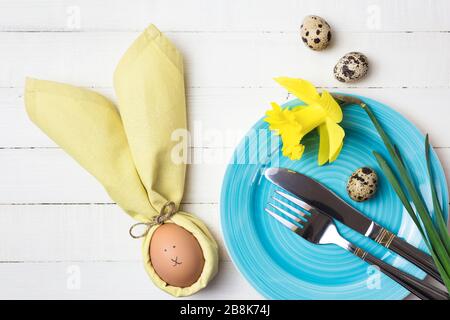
{"points": [[415, 256], [418, 287]]}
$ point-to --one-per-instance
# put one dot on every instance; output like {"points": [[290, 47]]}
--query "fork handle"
{"points": [[418, 287], [407, 251], [416, 256]]}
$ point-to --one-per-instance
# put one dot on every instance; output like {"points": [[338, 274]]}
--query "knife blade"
{"points": [[320, 197]]}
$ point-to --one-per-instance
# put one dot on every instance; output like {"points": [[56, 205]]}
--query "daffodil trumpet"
{"points": [[320, 111]]}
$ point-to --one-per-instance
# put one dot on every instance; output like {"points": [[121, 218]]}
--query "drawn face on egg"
{"points": [[176, 255]]}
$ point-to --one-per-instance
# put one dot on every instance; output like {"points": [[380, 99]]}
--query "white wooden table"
{"points": [[60, 234]]}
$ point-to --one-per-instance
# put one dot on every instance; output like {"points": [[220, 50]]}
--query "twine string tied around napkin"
{"points": [[167, 212]]}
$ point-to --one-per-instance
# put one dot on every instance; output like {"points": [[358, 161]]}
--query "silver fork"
{"points": [[318, 228]]}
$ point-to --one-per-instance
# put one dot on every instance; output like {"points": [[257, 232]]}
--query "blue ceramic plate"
{"points": [[280, 264]]}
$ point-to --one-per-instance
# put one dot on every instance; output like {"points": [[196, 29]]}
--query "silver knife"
{"points": [[325, 200]]}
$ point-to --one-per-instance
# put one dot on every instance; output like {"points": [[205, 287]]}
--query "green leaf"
{"points": [[389, 174], [398, 154], [421, 210], [439, 215], [444, 275], [387, 171]]}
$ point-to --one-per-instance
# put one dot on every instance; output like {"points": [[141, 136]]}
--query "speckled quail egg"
{"points": [[362, 184], [315, 32], [351, 67]]}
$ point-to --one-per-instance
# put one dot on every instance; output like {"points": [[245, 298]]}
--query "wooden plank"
{"points": [[229, 59], [51, 176], [106, 280], [222, 15], [220, 117], [80, 233], [217, 117]]}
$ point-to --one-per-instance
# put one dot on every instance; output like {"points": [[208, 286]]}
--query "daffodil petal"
{"points": [[302, 89], [324, 145], [297, 108], [278, 118], [320, 111], [293, 152], [336, 137], [276, 106], [291, 135], [331, 141], [331, 107], [310, 117], [334, 157]]}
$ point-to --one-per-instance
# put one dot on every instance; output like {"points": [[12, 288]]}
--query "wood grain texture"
{"points": [[79, 232], [220, 117], [51, 176], [106, 280], [223, 15], [230, 59]]}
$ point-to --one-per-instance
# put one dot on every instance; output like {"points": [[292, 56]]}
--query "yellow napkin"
{"points": [[129, 148]]}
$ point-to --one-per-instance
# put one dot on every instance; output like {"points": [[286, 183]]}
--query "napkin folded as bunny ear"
{"points": [[129, 148]]}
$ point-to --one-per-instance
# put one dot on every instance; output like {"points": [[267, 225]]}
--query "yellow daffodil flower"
{"points": [[320, 111]]}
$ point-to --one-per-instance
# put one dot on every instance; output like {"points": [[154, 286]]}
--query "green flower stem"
{"points": [[399, 191], [433, 236], [439, 216], [403, 198]]}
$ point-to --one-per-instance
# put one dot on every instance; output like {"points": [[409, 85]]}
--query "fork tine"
{"points": [[295, 200], [282, 220], [292, 208], [288, 214]]}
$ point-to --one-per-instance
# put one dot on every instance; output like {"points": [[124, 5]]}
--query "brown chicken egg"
{"points": [[176, 255]]}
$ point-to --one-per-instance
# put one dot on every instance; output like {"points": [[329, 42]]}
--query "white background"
{"points": [[60, 235]]}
